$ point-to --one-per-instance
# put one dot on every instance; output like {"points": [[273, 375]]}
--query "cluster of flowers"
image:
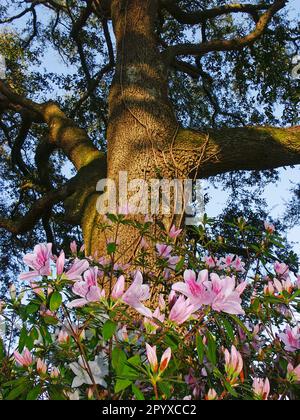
{"points": [[194, 302]]}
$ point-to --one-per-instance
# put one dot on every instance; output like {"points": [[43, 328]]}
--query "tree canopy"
{"points": [[229, 66]]}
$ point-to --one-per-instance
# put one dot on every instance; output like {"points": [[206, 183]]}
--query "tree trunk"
{"points": [[142, 123]]}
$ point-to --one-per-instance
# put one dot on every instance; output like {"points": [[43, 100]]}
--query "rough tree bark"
{"points": [[143, 136]]}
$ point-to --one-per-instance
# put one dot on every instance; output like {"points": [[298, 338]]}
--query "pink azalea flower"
{"points": [[227, 261], [75, 272], [281, 269], [162, 303], [233, 364], [164, 251], [60, 264], [152, 357], [211, 262], [291, 338], [119, 288], [55, 373], [212, 395], [165, 360], [293, 374], [25, 359], [153, 361], [150, 324], [225, 296], [284, 285], [261, 388], [220, 293], [39, 262], [137, 293], [41, 367], [269, 227], [87, 289], [173, 261], [194, 290], [144, 244], [63, 337], [182, 310], [172, 299], [174, 233], [238, 265], [73, 247]]}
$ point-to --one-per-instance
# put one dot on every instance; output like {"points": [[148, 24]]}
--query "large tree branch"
{"points": [[41, 207], [194, 18], [74, 193], [223, 44], [232, 149], [63, 133]]}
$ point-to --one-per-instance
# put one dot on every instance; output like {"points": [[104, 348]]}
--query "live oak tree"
{"points": [[157, 88]]}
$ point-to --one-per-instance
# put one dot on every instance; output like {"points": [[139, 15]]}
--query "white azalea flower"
{"points": [[99, 369]]}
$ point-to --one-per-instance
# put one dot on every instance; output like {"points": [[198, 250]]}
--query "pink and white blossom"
{"points": [[136, 294], [164, 251], [88, 289], [269, 227], [150, 324], [261, 388], [233, 363], [60, 264], [41, 367], [118, 290], [77, 269], [293, 374], [281, 269], [25, 359], [291, 338], [153, 361], [54, 373], [174, 233], [39, 262], [182, 310], [219, 293], [212, 395]]}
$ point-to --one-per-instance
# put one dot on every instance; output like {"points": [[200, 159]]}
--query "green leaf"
{"points": [[135, 360], [121, 385], [16, 392], [137, 393], [165, 388], [55, 301], [171, 341], [132, 368], [34, 393], [242, 325], [211, 349], [32, 309], [118, 360], [295, 295], [230, 389], [228, 328], [180, 265], [56, 393], [111, 248], [108, 329], [200, 347], [2, 350], [22, 339]]}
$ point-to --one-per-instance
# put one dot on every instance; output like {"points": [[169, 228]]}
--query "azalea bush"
{"points": [[178, 321]]}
